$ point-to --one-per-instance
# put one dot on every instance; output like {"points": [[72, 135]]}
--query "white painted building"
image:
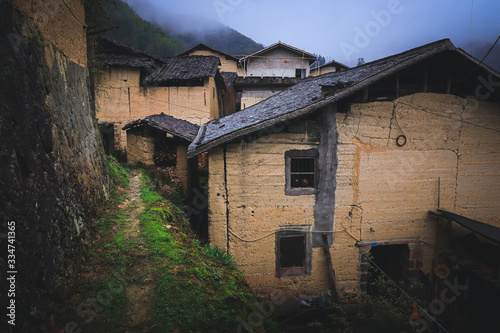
{"points": [[271, 70]]}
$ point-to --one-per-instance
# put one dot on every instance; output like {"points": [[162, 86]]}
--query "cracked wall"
{"points": [[385, 191]]}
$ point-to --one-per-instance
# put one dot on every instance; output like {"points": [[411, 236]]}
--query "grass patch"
{"points": [[119, 174], [199, 288]]}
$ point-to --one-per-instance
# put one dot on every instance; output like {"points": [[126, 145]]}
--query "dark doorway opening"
{"points": [[392, 259]]}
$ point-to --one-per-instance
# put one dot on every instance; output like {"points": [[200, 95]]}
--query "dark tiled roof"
{"points": [[203, 46], [113, 53], [306, 96], [169, 124], [184, 68], [299, 52], [331, 63]]}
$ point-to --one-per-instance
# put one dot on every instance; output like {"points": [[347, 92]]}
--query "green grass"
{"points": [[118, 173], [199, 288]]}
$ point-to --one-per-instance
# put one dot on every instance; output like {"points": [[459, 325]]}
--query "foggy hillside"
{"points": [[191, 30]]}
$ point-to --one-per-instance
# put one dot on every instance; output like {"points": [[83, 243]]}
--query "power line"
{"points": [[159, 100], [480, 63], [448, 117], [76, 18]]}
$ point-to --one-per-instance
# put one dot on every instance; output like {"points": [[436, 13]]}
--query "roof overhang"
{"points": [[485, 230]]}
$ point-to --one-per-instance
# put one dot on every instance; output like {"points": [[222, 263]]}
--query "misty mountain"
{"points": [[145, 27], [191, 31], [136, 32]]}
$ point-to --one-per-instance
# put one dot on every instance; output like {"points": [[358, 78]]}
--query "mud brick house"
{"points": [[228, 63], [360, 156], [135, 85], [329, 67], [164, 135], [270, 71]]}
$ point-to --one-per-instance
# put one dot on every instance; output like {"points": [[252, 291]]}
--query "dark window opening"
{"points": [[302, 172], [300, 73], [292, 254]]}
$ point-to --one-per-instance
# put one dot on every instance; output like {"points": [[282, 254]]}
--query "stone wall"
{"points": [[383, 191], [52, 164]]}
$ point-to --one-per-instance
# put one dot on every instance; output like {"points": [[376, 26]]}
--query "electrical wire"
{"points": [[480, 63], [158, 100], [471, 20], [286, 229], [74, 16], [443, 116], [429, 317]]}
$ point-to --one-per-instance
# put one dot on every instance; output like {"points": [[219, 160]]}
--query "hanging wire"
{"points": [[429, 317], [448, 117], [74, 16], [480, 63]]}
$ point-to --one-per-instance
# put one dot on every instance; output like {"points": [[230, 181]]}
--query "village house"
{"points": [[353, 162], [166, 139], [228, 63], [329, 67], [270, 71], [134, 85]]}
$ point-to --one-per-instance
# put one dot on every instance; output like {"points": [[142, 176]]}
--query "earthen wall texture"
{"points": [[120, 99], [227, 65], [384, 191]]}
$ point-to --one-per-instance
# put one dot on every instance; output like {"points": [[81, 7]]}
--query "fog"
{"points": [[344, 30]]}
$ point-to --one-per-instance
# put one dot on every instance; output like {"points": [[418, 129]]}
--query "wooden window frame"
{"points": [[303, 270], [291, 154]]}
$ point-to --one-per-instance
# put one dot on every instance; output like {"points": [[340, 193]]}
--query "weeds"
{"points": [[199, 288]]}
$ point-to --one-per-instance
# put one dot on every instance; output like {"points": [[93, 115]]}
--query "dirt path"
{"points": [[140, 287]]}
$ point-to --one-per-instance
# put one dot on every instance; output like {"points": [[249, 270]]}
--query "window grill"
{"points": [[302, 172]]}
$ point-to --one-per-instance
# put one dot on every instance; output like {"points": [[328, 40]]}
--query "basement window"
{"points": [[301, 171], [293, 254]]}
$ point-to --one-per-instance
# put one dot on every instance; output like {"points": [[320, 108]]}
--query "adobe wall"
{"points": [[383, 191], [120, 100], [227, 65], [140, 149], [258, 207], [277, 62], [251, 96]]}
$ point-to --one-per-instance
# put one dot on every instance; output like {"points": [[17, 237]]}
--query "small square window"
{"points": [[301, 172], [293, 257]]}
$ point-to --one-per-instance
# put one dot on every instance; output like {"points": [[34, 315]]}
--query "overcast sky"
{"points": [[346, 30]]}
